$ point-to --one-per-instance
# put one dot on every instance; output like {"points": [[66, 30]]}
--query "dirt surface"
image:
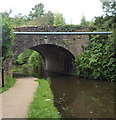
{"points": [[16, 100]]}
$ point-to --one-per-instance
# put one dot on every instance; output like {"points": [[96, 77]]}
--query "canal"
{"points": [[82, 98]]}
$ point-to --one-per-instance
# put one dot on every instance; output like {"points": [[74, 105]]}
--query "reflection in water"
{"points": [[82, 98]]}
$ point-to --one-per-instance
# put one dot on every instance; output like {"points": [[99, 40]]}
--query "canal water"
{"points": [[82, 98]]}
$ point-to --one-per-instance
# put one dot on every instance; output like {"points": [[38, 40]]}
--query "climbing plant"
{"points": [[98, 61]]}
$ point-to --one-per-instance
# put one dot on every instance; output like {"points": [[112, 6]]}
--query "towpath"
{"points": [[16, 100]]}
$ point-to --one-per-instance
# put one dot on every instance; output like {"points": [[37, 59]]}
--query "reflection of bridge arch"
{"points": [[55, 58]]}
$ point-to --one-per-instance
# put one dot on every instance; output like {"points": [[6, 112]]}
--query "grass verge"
{"points": [[9, 82], [43, 103]]}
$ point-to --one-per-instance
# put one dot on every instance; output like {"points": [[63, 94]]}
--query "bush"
{"points": [[98, 60], [23, 57], [35, 63]]}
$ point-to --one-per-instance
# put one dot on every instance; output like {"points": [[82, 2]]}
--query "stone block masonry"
{"points": [[58, 51]]}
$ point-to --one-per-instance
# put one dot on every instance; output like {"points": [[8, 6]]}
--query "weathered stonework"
{"points": [[8, 66], [73, 43], [58, 51]]}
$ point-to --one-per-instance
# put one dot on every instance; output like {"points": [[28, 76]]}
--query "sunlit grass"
{"points": [[43, 103]]}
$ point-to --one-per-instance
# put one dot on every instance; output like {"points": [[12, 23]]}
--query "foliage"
{"points": [[58, 19], [37, 11], [35, 62], [37, 16], [19, 20], [9, 82], [7, 36], [84, 22], [5, 14], [43, 104], [49, 18], [29, 62], [103, 23], [98, 60], [109, 8], [23, 57], [46, 19]]}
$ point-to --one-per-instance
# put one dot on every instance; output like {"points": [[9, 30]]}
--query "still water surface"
{"points": [[82, 98]]}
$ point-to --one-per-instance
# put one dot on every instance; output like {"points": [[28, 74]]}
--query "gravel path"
{"points": [[16, 100]]}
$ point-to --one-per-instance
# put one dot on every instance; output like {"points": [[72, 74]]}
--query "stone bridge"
{"points": [[57, 51]]}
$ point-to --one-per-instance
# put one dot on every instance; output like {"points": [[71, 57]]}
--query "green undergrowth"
{"points": [[9, 82], [43, 102]]}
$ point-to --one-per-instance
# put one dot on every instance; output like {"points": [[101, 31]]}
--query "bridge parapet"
{"points": [[72, 43]]}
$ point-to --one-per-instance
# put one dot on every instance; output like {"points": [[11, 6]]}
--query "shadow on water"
{"points": [[82, 98]]}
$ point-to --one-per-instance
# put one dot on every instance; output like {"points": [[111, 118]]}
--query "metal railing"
{"points": [[61, 33]]}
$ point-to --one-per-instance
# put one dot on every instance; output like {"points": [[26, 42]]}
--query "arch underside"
{"points": [[55, 58]]}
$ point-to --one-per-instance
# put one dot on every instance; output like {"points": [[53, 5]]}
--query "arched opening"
{"points": [[29, 62], [55, 58]]}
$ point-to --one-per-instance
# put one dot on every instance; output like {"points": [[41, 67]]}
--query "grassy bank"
{"points": [[9, 82], [43, 103]]}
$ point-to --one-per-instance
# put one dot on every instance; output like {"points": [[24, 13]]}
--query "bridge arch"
{"points": [[55, 58], [58, 51]]}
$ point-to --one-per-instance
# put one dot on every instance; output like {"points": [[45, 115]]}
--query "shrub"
{"points": [[35, 62]]}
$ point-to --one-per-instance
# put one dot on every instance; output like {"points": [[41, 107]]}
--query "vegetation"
{"points": [[43, 104], [19, 20], [23, 57], [9, 82], [85, 23], [98, 60], [35, 62], [109, 8], [37, 16], [7, 41], [7, 36], [37, 11], [46, 19], [58, 19], [28, 62]]}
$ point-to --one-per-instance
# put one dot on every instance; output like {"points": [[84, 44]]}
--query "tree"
{"points": [[98, 60], [19, 20], [84, 22], [23, 57], [58, 19], [7, 40], [49, 18], [109, 7], [7, 37], [6, 14], [37, 11], [46, 19]]}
